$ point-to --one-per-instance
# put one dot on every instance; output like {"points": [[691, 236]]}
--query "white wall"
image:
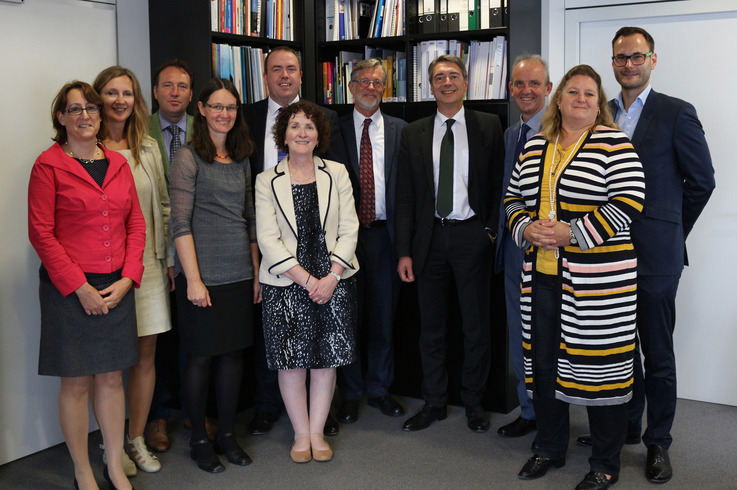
{"points": [[694, 40]]}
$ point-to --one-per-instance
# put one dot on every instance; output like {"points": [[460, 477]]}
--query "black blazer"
{"points": [[416, 186], [679, 179], [343, 150], [255, 116]]}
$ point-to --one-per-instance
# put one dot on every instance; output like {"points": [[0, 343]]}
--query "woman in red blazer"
{"points": [[86, 225]]}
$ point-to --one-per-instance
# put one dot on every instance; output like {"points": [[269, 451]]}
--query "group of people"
{"points": [[259, 216]]}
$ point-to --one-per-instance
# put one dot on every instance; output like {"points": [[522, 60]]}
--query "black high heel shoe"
{"points": [[76, 485], [203, 454], [106, 475], [228, 444]]}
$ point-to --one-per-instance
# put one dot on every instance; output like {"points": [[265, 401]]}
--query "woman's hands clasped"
{"points": [[101, 302], [321, 291], [548, 234]]}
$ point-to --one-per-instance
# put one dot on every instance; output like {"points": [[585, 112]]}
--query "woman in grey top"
{"points": [[214, 231]]}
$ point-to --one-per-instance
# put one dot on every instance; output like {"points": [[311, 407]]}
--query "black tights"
{"points": [[227, 369]]}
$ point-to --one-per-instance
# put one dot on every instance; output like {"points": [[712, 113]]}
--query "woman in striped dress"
{"points": [[573, 193]]}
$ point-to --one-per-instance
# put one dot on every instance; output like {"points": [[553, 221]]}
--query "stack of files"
{"points": [[244, 66], [487, 69], [458, 15], [347, 19], [263, 18], [423, 54]]}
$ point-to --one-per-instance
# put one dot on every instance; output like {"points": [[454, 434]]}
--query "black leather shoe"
{"points": [[262, 422], [348, 412], [630, 438], [537, 466], [106, 476], [426, 416], [388, 405], [331, 426], [477, 420], [204, 455], [520, 427], [658, 469], [596, 481], [228, 444]]}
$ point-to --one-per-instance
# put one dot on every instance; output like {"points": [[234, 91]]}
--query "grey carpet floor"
{"points": [[374, 453]]}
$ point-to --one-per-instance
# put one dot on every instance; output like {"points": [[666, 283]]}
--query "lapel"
{"points": [[324, 188], [159, 137], [473, 136], [646, 118], [389, 137], [349, 137], [281, 186], [425, 146]]}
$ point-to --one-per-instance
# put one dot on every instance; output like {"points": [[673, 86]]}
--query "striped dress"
{"points": [[599, 193]]}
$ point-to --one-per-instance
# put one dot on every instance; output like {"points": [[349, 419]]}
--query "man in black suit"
{"points": [[368, 144], [448, 192], [283, 77], [679, 179]]}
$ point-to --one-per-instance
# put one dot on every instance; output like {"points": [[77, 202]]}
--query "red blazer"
{"points": [[77, 227]]}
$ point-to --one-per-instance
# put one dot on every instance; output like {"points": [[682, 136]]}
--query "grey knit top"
{"points": [[213, 202]]}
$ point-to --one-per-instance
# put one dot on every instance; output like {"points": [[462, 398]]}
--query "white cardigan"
{"points": [[276, 223]]}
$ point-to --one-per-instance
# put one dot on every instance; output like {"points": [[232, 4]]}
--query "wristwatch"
{"points": [[336, 276], [572, 236]]}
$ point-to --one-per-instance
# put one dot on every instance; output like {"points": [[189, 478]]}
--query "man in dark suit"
{"points": [[368, 144], [679, 179], [283, 77], [448, 193], [529, 86], [171, 127]]}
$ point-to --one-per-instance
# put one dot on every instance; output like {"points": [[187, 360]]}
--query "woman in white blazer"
{"points": [[307, 232]]}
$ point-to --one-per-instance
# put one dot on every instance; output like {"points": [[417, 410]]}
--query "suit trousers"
{"points": [[656, 319], [608, 424], [462, 251], [378, 290], [512, 279]]}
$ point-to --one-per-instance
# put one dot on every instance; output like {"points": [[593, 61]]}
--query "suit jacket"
{"points": [[343, 150], [679, 179], [276, 223], [156, 133], [255, 116], [416, 185]]}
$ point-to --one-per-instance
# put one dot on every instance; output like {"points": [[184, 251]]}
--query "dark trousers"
{"points": [[656, 319], [378, 290], [169, 371], [608, 424], [464, 252], [267, 397]]}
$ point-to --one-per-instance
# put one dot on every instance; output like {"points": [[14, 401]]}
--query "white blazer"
{"points": [[276, 223]]}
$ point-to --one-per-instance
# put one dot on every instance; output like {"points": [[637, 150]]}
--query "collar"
{"points": [[642, 98], [535, 121], [459, 117], [273, 107], [165, 123], [359, 118]]}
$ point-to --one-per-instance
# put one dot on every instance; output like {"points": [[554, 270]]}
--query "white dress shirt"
{"points": [[376, 134], [461, 208]]}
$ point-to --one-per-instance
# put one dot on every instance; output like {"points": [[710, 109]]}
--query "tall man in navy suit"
{"points": [[679, 178], [283, 77], [529, 86], [369, 146], [448, 193]]}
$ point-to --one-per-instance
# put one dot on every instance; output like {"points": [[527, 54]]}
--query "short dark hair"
{"points": [[366, 64], [238, 142], [311, 112], [60, 103], [175, 62], [631, 31], [282, 48], [447, 58]]}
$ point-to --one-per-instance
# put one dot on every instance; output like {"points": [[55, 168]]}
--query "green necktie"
{"points": [[445, 175]]}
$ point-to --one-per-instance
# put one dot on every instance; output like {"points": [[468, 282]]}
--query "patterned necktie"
{"points": [[367, 206], [176, 143], [445, 175], [521, 141], [280, 154]]}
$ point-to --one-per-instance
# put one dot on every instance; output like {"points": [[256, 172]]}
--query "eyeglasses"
{"points": [[77, 110], [220, 108], [365, 82], [637, 59]]}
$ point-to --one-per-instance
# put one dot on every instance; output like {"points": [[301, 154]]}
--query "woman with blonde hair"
{"points": [[126, 131]]}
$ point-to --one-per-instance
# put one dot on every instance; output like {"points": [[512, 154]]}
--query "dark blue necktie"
{"points": [[521, 140]]}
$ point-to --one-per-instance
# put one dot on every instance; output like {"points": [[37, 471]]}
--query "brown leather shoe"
{"points": [[210, 427], [158, 438]]}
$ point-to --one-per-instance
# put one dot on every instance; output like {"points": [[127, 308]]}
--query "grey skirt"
{"points": [[76, 344]]}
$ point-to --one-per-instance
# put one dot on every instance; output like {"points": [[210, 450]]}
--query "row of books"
{"points": [[336, 75], [262, 18], [363, 19], [244, 66], [459, 15], [486, 62]]}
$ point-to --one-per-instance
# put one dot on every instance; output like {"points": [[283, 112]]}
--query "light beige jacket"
{"points": [[276, 224], [149, 158]]}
